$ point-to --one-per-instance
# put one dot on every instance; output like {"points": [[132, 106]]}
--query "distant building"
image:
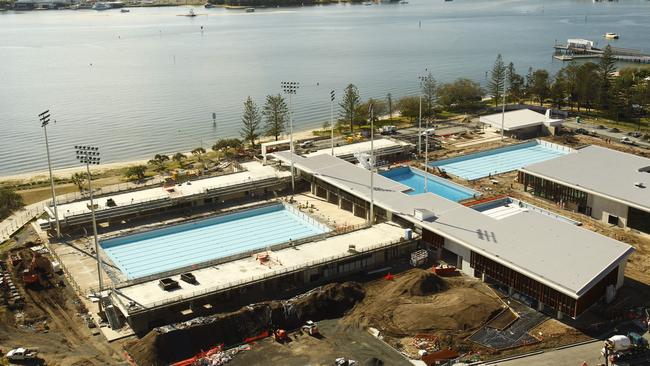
{"points": [[523, 123], [605, 184]]}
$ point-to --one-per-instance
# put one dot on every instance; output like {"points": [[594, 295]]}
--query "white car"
{"points": [[22, 353], [428, 131], [306, 144]]}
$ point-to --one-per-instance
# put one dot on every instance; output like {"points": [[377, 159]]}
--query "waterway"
{"points": [[148, 81]]}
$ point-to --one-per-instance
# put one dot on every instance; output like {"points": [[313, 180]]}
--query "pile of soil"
{"points": [[163, 346], [418, 301]]}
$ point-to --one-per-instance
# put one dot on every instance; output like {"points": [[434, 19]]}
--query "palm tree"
{"points": [[78, 179], [178, 157], [198, 152], [158, 162]]}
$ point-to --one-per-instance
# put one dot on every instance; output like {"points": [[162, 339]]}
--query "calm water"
{"points": [[148, 81], [157, 251], [436, 185]]}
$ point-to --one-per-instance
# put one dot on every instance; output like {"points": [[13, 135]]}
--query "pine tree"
{"points": [[497, 80], [276, 113], [515, 84], [606, 68], [251, 122], [349, 105], [429, 93]]}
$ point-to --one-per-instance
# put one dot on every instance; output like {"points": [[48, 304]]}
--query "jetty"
{"points": [[585, 49]]}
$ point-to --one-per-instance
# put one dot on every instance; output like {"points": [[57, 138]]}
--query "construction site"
{"points": [[376, 257]]}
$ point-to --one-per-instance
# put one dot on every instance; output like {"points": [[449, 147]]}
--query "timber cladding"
{"points": [[547, 295]]}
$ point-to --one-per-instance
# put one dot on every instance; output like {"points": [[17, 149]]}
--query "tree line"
{"points": [[621, 95]]}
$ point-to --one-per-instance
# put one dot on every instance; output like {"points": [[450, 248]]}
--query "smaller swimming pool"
{"points": [[414, 178], [501, 160]]}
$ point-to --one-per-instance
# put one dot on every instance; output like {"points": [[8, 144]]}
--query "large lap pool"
{"points": [[501, 160], [414, 178], [190, 243]]}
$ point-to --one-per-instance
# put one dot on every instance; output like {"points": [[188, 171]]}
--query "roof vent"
{"points": [[639, 184]]}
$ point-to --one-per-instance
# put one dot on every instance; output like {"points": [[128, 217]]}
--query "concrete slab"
{"points": [[226, 275]]}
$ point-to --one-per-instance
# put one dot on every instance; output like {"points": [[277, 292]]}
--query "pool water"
{"points": [[414, 178], [190, 243], [501, 160]]}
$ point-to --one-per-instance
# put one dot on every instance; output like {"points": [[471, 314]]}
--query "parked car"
{"points": [[634, 133], [306, 144], [428, 131], [582, 131], [388, 130], [626, 140]]}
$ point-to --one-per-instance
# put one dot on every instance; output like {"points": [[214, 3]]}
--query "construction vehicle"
{"points": [[620, 347], [342, 361], [280, 335], [30, 275], [311, 328], [22, 354]]}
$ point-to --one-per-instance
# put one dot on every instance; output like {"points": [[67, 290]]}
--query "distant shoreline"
{"points": [[65, 173]]}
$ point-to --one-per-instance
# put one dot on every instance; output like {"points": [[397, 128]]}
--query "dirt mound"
{"points": [[169, 344], [417, 282], [418, 301]]}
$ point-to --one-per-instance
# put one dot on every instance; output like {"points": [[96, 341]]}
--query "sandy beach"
{"points": [[65, 173]]}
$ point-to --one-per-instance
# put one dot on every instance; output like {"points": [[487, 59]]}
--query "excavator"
{"points": [[30, 275]]}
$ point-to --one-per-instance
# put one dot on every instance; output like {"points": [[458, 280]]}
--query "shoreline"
{"points": [[65, 173]]}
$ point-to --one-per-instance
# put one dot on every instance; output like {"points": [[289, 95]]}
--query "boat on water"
{"points": [[611, 35], [209, 5], [102, 6], [250, 10], [367, 3], [125, 11], [403, 2]]}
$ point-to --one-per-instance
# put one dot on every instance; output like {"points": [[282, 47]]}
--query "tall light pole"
{"points": [[45, 120], [332, 97], [290, 88], [423, 80], [90, 155], [420, 123], [503, 112], [372, 164], [426, 157]]}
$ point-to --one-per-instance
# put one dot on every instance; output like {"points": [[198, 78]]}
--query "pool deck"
{"points": [[223, 276], [254, 171]]}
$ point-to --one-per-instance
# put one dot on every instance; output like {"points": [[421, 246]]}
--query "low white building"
{"points": [[523, 123], [605, 184]]}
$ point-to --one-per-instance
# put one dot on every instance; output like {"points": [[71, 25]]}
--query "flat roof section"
{"points": [[254, 171], [604, 172], [558, 254], [226, 275], [518, 119], [361, 147]]}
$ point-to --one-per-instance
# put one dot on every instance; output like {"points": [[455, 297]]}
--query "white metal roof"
{"points": [[518, 119], [360, 147], [563, 256], [604, 172]]}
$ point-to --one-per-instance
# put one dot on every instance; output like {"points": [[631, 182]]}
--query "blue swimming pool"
{"points": [[501, 160], [414, 178], [186, 244]]}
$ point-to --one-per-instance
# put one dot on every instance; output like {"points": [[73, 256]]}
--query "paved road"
{"points": [[615, 136], [574, 356]]}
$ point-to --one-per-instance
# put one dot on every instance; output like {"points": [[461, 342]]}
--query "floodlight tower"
{"points": [[290, 88], [90, 155], [45, 120]]}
